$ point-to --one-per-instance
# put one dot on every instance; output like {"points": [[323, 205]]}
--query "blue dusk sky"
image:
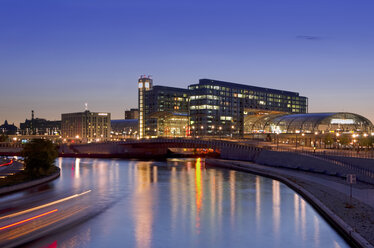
{"points": [[57, 55]]}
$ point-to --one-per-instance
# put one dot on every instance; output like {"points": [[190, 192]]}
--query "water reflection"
{"points": [[276, 207], [182, 204], [198, 183], [77, 169], [142, 206], [258, 201]]}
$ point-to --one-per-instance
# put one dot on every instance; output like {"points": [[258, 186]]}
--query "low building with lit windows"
{"points": [[85, 126]]}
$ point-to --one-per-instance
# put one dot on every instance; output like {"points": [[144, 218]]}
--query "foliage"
{"points": [[39, 156], [4, 138], [345, 139], [366, 141], [328, 139]]}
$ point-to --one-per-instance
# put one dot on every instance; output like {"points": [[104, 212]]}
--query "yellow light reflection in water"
{"points": [[258, 201], [297, 212], [155, 178], [232, 194], [143, 206], [174, 198], [77, 169], [276, 206], [199, 191]]}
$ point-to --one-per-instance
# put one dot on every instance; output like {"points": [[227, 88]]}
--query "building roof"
{"points": [[205, 81], [290, 123]]}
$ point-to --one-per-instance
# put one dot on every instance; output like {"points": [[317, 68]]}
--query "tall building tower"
{"points": [[144, 84]]}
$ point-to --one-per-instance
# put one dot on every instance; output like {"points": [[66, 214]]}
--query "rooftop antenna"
{"points": [[85, 106]]}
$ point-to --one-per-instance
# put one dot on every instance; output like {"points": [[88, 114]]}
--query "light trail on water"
{"points": [[27, 220], [44, 205]]}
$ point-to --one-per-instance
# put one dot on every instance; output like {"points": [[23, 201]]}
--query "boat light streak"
{"points": [[11, 162], [27, 220], [45, 205]]}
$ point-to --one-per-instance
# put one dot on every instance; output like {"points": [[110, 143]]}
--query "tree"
{"points": [[345, 139], [4, 138], [328, 139], [39, 156], [366, 141]]}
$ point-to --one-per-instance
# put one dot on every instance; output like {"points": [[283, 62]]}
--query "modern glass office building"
{"points": [[218, 108], [163, 111]]}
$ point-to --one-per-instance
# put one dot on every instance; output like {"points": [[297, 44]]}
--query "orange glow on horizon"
{"points": [[27, 220]]}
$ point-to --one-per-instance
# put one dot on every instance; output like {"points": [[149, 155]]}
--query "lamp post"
{"points": [[220, 132], [277, 141]]}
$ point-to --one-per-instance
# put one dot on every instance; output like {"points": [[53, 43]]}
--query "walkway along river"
{"points": [[178, 203]]}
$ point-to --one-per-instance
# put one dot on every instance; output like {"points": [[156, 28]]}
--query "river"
{"points": [[177, 203]]}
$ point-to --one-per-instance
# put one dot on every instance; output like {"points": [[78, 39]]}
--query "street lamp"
{"points": [[277, 141], [296, 132]]}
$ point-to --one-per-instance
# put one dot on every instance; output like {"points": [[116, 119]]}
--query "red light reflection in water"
{"points": [[27, 220], [52, 245], [199, 192]]}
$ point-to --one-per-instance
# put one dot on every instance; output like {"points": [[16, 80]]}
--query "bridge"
{"points": [[159, 147]]}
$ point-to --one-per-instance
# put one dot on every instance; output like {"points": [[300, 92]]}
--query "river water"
{"points": [[179, 203]]}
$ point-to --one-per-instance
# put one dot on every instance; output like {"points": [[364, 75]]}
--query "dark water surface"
{"points": [[178, 203]]}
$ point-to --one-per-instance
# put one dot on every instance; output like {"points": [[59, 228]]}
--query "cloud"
{"points": [[308, 37]]}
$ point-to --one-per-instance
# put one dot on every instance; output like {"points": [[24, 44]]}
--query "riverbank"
{"points": [[21, 181], [326, 194]]}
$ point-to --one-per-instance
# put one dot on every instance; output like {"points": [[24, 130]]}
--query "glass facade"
{"points": [[144, 85], [163, 111], [218, 108], [309, 123]]}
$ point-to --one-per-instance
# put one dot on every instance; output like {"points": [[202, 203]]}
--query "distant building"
{"points": [[40, 127], [8, 129], [132, 114], [163, 111], [123, 129], [86, 126]]}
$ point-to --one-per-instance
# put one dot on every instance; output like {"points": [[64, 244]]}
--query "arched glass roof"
{"points": [[291, 123]]}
